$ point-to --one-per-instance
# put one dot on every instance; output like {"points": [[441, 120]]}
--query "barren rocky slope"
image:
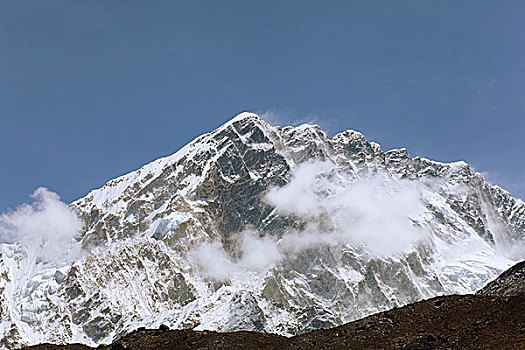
{"points": [[511, 282]]}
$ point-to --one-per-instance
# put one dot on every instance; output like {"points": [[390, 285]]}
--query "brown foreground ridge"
{"points": [[446, 322], [510, 282]]}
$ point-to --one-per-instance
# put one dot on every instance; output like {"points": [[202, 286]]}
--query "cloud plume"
{"points": [[283, 118], [257, 255], [375, 212], [46, 226]]}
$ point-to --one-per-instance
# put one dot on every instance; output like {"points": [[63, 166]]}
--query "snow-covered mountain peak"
{"points": [[349, 135], [245, 127], [246, 117], [255, 227]]}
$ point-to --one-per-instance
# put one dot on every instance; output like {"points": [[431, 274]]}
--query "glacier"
{"points": [[264, 228]]}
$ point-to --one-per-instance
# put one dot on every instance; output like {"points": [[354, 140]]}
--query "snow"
{"points": [[239, 117], [104, 197]]}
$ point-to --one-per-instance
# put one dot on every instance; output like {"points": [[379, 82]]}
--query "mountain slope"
{"points": [[458, 322], [254, 227], [511, 282], [493, 318]]}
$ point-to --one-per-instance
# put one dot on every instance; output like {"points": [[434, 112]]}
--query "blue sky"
{"points": [[94, 89]]}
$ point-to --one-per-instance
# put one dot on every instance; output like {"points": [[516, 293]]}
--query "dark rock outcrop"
{"points": [[511, 282]]}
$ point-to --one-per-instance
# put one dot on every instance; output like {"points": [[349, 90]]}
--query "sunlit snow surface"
{"points": [[263, 228]]}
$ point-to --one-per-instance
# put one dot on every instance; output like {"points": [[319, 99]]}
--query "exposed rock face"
{"points": [[510, 282], [254, 227]]}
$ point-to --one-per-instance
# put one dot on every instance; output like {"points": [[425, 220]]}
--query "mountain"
{"points": [[509, 283], [262, 228]]}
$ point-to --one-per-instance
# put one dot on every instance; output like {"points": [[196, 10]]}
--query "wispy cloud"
{"points": [[285, 118], [516, 187], [46, 226], [374, 212]]}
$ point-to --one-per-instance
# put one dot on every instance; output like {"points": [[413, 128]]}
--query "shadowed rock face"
{"points": [[511, 282], [141, 265]]}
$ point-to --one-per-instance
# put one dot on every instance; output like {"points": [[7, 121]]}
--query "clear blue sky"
{"points": [[91, 90]]}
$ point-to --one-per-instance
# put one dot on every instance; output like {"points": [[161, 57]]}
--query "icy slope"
{"points": [[264, 228]]}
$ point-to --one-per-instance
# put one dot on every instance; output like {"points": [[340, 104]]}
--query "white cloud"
{"points": [[47, 226], [375, 212], [257, 255], [300, 196], [212, 261]]}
